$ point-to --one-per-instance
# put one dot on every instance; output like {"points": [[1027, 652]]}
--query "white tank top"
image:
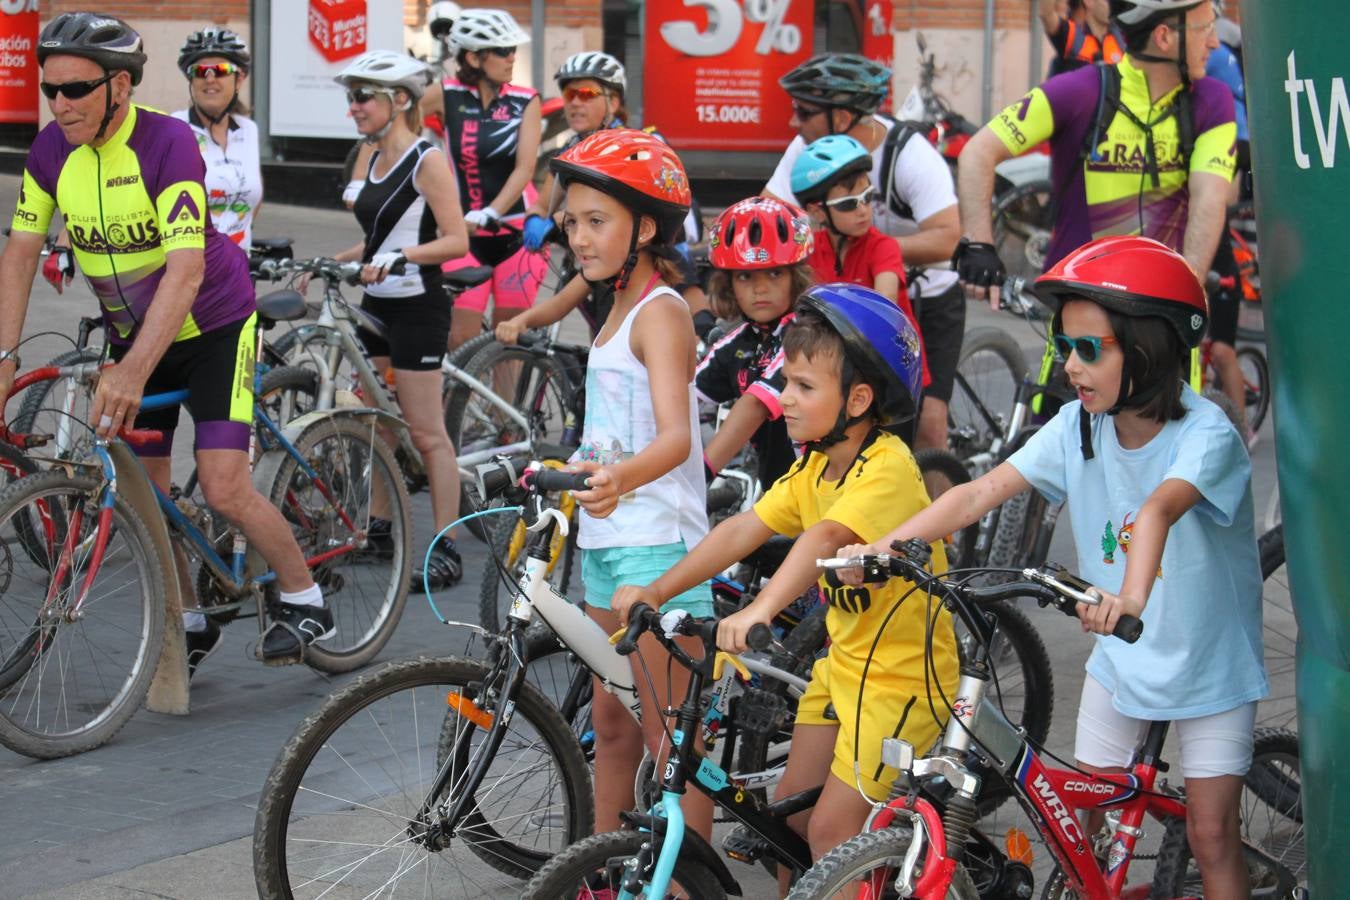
{"points": [[619, 423]]}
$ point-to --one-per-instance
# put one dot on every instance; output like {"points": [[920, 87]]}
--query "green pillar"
{"points": [[1296, 68]]}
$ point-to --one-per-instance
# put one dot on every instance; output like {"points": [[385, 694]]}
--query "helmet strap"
{"points": [[110, 110], [394, 113], [626, 272], [843, 421]]}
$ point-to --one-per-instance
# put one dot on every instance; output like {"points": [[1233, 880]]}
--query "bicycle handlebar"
{"points": [[519, 472], [642, 618], [1051, 586], [330, 270]]}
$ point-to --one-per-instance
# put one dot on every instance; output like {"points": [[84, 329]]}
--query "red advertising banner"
{"points": [[18, 61], [878, 43], [711, 70]]}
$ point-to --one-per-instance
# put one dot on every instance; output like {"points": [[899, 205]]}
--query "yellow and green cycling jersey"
{"points": [[127, 204], [1112, 192]]}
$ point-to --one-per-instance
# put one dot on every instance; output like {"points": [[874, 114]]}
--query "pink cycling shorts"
{"points": [[515, 281]]}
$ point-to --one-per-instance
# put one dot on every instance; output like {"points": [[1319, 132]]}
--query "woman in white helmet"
{"points": [[410, 216], [216, 63], [492, 133]]}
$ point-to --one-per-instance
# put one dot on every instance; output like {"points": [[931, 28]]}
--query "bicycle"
{"points": [[628, 863], [917, 844], [369, 782], [100, 520]]}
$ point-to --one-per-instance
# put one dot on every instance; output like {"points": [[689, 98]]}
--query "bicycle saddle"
{"points": [[281, 306], [463, 279]]}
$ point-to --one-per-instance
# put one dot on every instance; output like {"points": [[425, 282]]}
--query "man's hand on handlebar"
{"points": [[979, 266], [1102, 618], [853, 576]]}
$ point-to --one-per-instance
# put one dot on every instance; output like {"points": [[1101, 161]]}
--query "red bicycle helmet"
{"points": [[635, 168], [759, 233], [1134, 276]]}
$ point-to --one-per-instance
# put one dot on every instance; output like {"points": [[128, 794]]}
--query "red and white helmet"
{"points": [[1134, 276], [635, 168], [759, 233]]}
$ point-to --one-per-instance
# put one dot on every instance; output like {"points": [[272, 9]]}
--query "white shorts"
{"points": [[1219, 744]]}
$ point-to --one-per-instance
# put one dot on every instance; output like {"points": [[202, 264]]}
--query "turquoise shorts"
{"points": [[605, 569]]}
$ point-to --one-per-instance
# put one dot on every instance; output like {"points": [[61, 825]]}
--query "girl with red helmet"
{"points": [[1158, 484], [758, 249], [626, 196]]}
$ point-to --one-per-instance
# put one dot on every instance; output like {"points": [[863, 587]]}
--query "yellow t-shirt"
{"points": [[882, 489]]}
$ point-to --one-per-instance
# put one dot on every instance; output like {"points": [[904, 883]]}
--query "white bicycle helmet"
{"points": [[1132, 12], [483, 29], [389, 69], [596, 66], [441, 18]]}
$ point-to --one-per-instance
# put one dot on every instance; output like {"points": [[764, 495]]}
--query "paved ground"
{"points": [[167, 809]]}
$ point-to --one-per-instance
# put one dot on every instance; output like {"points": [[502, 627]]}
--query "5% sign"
{"points": [[726, 19]]}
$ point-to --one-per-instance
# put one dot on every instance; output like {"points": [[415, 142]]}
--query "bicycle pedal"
{"points": [[761, 712], [743, 845]]}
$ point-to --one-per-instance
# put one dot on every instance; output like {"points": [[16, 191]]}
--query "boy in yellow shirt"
{"points": [[852, 368]]}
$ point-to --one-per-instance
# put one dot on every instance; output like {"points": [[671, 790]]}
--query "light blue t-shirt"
{"points": [[1200, 652]]}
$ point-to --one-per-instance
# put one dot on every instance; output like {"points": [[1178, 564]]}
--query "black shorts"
{"points": [[217, 370], [1224, 303], [942, 322], [418, 328]]}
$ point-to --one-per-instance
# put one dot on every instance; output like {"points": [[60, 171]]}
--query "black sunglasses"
{"points": [[803, 113], [74, 90], [367, 94], [503, 52]]}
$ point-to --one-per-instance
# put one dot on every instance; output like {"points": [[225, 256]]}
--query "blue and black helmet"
{"points": [[826, 162], [844, 80], [880, 342]]}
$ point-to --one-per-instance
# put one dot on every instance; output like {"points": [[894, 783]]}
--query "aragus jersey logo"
{"points": [[184, 206]]}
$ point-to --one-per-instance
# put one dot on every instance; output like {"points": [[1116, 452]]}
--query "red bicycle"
{"points": [[923, 843]]}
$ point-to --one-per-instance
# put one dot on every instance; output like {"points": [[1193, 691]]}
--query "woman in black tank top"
{"points": [[410, 215]]}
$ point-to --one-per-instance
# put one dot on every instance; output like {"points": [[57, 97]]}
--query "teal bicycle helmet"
{"points": [[844, 80], [826, 162]]}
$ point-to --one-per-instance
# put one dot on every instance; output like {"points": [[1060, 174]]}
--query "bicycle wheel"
{"points": [[870, 860], [1023, 688], [59, 407], [1279, 634], [991, 369], [595, 868], [1272, 801], [534, 384], [560, 675], [1177, 874], [354, 477], [941, 472], [1256, 381], [507, 544], [339, 812], [74, 666], [1022, 220]]}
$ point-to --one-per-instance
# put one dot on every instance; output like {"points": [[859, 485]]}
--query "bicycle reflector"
{"points": [[1018, 847]]}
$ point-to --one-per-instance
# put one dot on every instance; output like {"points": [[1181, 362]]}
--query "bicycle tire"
{"points": [[1279, 634], [1270, 546], [852, 859], [1008, 548], [1256, 378], [1272, 801], [344, 451], [506, 543], [14, 465], [940, 468], [1176, 874], [38, 401], [323, 761], [541, 389], [1022, 219], [992, 367], [86, 718], [573, 872]]}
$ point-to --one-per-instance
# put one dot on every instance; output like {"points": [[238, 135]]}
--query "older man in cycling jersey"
{"points": [[1156, 162], [175, 293], [838, 93]]}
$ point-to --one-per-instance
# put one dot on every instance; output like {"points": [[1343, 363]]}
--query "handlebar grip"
{"points": [[556, 480], [637, 623], [760, 637], [1128, 628], [499, 476]]}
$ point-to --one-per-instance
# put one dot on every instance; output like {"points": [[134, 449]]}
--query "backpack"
{"points": [[1080, 36], [896, 138], [1108, 104]]}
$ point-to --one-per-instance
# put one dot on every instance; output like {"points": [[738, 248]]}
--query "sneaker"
{"points": [[201, 644], [293, 629], [380, 538], [444, 568]]}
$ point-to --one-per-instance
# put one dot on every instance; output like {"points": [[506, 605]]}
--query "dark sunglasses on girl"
{"points": [[74, 90], [803, 113], [1089, 349], [503, 52], [365, 94], [584, 94], [220, 69], [850, 203]]}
